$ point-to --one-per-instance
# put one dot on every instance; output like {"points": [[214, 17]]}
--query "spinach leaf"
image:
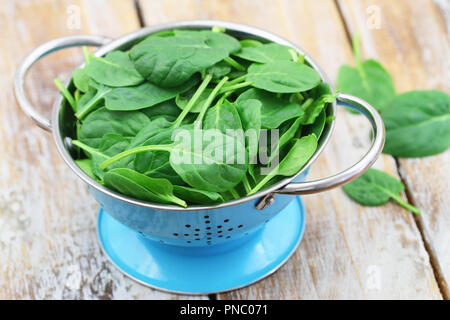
{"points": [[298, 155], [313, 109], [167, 109], [250, 43], [274, 110], [92, 99], [86, 166], [374, 188], [171, 61], [223, 117], [197, 196], [283, 76], [182, 100], [250, 114], [368, 80], [103, 121], [114, 70], [317, 126], [142, 96], [81, 80], [219, 70], [213, 39], [417, 124], [205, 169], [139, 186], [271, 52]]}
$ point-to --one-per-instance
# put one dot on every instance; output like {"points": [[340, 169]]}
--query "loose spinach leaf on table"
{"points": [[114, 70], [283, 76], [139, 186], [374, 188], [417, 124], [368, 80]]}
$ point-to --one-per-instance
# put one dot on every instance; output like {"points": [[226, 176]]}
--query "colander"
{"points": [[199, 249]]}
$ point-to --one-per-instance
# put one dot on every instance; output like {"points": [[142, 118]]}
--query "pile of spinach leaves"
{"points": [[417, 125], [128, 104]]}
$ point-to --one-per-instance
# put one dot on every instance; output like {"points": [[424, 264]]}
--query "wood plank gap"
{"points": [[140, 17], [438, 274], [344, 23], [437, 271]]}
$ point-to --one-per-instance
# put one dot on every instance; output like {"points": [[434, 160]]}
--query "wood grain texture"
{"points": [[348, 251], [413, 43], [48, 242]]}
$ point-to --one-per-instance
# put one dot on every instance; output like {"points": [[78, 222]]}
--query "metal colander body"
{"points": [[193, 228]]}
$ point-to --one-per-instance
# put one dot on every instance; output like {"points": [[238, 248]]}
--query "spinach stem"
{"points": [[236, 86], [246, 184], [234, 63], [67, 95], [126, 153], [77, 96], [356, 49], [192, 101], [86, 54], [265, 180], [212, 95], [404, 204], [92, 103], [299, 96], [294, 55], [234, 193], [236, 80], [87, 148], [306, 104]]}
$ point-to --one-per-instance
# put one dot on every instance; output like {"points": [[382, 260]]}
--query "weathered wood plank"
{"points": [[348, 251], [413, 42], [48, 242]]}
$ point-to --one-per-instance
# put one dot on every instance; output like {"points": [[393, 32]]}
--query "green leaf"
{"points": [[81, 80], [222, 117], [168, 109], [139, 186], [197, 196], [213, 39], [317, 126], [274, 110], [298, 155], [250, 114], [374, 188], [271, 52], [313, 110], [283, 76], [171, 61], [182, 100], [86, 166], [368, 81], [114, 70], [103, 121], [417, 124], [143, 96], [92, 100]]}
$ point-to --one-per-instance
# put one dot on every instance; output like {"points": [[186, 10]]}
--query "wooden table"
{"points": [[48, 244]]}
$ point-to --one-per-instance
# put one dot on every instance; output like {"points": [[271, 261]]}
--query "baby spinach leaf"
{"points": [[313, 109], [168, 109], [183, 99], [206, 169], [250, 114], [271, 52], [171, 61], [197, 196], [417, 124], [298, 155], [222, 117], [142, 96], [110, 145], [250, 43], [286, 137], [283, 76], [81, 79], [213, 39], [114, 70], [103, 121], [140, 186], [368, 80], [274, 110], [91, 101], [375, 187], [86, 166], [317, 126], [219, 70]]}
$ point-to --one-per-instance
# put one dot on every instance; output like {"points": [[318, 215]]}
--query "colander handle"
{"points": [[357, 169], [37, 54]]}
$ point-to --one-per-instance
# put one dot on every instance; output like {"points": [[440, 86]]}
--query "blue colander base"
{"points": [[202, 270]]}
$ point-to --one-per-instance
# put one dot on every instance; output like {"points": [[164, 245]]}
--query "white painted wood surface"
{"points": [[413, 43], [48, 245]]}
